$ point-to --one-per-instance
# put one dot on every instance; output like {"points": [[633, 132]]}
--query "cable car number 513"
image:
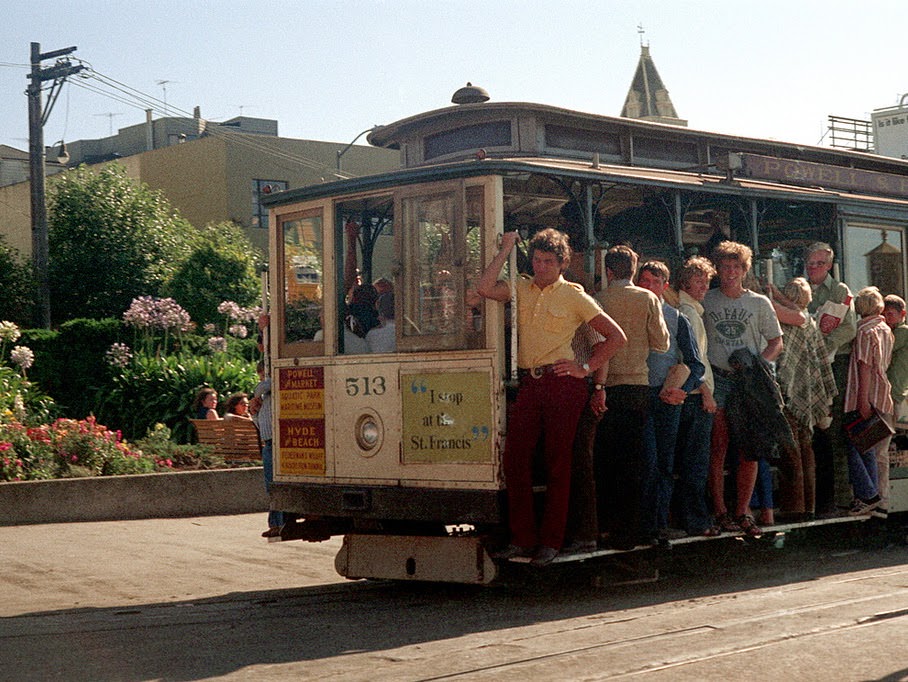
{"points": [[365, 386]]}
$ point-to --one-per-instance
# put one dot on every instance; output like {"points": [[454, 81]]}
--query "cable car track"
{"points": [[714, 601], [884, 617]]}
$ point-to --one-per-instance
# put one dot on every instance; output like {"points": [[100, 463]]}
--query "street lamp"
{"points": [[341, 152], [62, 153]]}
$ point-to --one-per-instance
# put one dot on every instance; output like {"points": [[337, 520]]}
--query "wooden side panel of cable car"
{"points": [[384, 420]]}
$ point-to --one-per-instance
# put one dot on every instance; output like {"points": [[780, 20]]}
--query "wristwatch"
{"points": [[598, 387]]}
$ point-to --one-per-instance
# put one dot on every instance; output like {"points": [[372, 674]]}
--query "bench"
{"points": [[236, 440]]}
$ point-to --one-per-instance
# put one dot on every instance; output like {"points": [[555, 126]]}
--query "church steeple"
{"points": [[648, 98]]}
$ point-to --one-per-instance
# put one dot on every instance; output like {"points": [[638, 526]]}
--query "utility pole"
{"points": [[37, 117]]}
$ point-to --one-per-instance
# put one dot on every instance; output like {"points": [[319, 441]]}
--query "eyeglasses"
{"points": [[816, 263]]}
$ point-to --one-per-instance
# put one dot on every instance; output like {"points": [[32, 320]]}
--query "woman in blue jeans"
{"points": [[260, 407], [696, 423], [869, 391]]}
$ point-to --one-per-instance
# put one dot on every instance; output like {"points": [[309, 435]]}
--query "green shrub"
{"points": [[20, 399], [162, 389], [70, 364], [23, 401], [303, 319], [49, 363], [206, 279], [17, 284], [158, 445], [221, 267], [76, 377], [111, 239]]}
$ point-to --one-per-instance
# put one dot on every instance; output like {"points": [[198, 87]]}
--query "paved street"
{"points": [[207, 598]]}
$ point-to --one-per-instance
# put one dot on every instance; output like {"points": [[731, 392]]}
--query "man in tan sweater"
{"points": [[619, 440]]}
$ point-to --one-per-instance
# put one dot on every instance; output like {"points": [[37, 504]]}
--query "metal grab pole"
{"points": [[266, 332], [512, 277]]}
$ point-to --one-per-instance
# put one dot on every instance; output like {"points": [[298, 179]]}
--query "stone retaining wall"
{"points": [[144, 496]]}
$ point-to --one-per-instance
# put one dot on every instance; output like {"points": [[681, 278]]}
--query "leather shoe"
{"points": [[544, 556]]}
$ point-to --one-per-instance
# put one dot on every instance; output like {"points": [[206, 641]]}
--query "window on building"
{"points": [[262, 188]]}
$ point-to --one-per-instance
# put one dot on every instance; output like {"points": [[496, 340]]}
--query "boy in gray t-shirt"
{"points": [[734, 318], [747, 321]]}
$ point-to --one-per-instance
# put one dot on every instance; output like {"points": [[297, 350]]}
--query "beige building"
{"points": [[209, 173]]}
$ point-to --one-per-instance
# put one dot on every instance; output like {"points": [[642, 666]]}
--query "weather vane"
{"points": [[641, 31]]}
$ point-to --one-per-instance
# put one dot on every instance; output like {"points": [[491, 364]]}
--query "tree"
{"points": [[111, 240], [221, 267], [17, 286]]}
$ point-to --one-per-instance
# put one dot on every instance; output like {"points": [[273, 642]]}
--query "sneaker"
{"points": [[544, 556], [272, 532], [880, 513], [511, 552], [862, 508]]}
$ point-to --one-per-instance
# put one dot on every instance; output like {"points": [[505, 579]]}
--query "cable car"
{"points": [[398, 447]]}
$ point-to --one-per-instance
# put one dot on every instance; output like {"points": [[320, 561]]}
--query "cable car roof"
{"points": [[580, 170]]}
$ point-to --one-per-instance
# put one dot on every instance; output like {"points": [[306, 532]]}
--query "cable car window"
{"points": [[492, 134], [365, 273], [302, 259], [441, 260], [875, 257], [474, 265]]}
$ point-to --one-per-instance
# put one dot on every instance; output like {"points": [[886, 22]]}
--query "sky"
{"points": [[328, 70]]}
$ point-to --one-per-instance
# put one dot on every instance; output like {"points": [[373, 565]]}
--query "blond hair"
{"points": [[798, 292], [868, 301]]}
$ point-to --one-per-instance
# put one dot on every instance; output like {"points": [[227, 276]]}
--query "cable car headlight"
{"points": [[368, 432]]}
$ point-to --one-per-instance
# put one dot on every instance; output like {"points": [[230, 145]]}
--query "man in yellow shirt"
{"points": [[553, 389]]}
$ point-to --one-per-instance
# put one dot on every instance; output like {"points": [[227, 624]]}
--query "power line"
{"points": [[125, 94], [132, 97]]}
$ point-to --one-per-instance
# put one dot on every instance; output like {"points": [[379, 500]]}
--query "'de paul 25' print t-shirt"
{"points": [[732, 323]]}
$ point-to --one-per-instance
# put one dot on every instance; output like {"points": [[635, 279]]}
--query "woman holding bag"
{"points": [[868, 391]]}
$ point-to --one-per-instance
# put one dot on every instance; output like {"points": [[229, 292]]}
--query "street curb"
{"points": [[142, 496]]}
